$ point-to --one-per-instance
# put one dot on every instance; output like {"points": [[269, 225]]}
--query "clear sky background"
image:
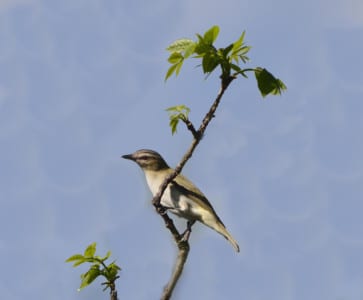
{"points": [[82, 82]]}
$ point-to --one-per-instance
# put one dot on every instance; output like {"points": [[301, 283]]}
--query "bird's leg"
{"points": [[186, 233], [161, 209]]}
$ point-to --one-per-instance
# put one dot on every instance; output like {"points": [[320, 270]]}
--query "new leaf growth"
{"points": [[228, 59], [177, 113], [98, 268]]}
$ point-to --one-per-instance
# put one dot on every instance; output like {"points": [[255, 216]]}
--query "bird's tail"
{"points": [[220, 228], [223, 231]]}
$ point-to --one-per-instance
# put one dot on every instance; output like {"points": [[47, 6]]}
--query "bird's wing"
{"points": [[181, 183]]}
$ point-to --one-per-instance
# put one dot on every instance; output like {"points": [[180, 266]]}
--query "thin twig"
{"points": [[183, 245], [191, 128], [112, 287]]}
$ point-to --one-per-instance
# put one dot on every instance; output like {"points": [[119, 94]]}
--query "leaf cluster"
{"points": [[176, 114], [228, 59], [98, 267]]}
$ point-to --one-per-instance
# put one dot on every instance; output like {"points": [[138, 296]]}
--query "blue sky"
{"points": [[82, 82]]}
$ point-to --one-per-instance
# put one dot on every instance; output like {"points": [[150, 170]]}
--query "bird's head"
{"points": [[147, 159]]}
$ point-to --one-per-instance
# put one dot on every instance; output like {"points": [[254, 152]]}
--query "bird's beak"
{"points": [[128, 156]]}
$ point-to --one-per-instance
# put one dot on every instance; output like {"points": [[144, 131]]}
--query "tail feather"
{"points": [[223, 231], [218, 226]]}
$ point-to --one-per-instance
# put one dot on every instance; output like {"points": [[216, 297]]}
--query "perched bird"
{"points": [[181, 196]]}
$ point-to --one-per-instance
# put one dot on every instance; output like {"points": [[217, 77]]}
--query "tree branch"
{"points": [[183, 245], [178, 269], [113, 292], [191, 128], [208, 117]]}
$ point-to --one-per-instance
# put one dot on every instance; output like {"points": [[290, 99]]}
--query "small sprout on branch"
{"points": [[177, 113], [98, 268]]}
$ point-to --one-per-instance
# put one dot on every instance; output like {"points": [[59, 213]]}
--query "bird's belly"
{"points": [[181, 206]]}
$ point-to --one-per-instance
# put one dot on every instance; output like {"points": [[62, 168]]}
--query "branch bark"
{"points": [[183, 252], [113, 293], [183, 245]]}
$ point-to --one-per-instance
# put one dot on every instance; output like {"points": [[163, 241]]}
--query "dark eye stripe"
{"points": [[144, 157]]}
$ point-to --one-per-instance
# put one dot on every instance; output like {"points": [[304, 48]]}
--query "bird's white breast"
{"points": [[172, 199], [154, 180]]}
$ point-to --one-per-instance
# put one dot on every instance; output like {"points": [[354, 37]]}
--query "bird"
{"points": [[181, 196]]}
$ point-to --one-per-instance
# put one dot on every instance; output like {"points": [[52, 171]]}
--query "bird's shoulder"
{"points": [[189, 189], [186, 183]]}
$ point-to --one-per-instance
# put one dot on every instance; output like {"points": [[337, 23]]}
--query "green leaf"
{"points": [[75, 257], [175, 58], [235, 68], [112, 271], [189, 50], [238, 44], [239, 51], [173, 125], [225, 51], [242, 54], [209, 63], [178, 67], [267, 83], [90, 251], [78, 259], [180, 45], [179, 108], [180, 50], [211, 35], [108, 254], [171, 70], [79, 262], [201, 47], [89, 276]]}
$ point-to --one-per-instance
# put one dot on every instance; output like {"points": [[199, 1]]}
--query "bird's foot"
{"points": [[186, 234], [161, 209]]}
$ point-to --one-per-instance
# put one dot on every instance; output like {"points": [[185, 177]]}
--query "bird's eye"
{"points": [[143, 157]]}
